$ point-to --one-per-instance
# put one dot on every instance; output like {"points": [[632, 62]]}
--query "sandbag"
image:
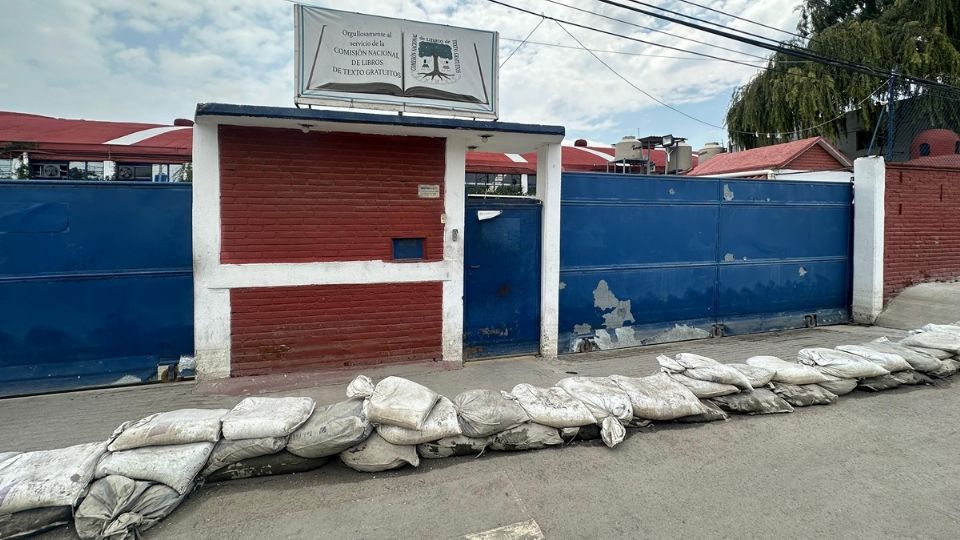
{"points": [[760, 401], [552, 407], [331, 430], [118, 508], [612, 431], [487, 412], [758, 376], [787, 372], [658, 397], [704, 389], [229, 451], [47, 478], [888, 361], [459, 445], [911, 377], [711, 413], [35, 521], [948, 368], [936, 353], [918, 360], [944, 341], [175, 466], [282, 462], [259, 417], [704, 369], [946, 328], [878, 384], [839, 364], [375, 455], [602, 397], [529, 436], [181, 426], [803, 395], [7, 455], [838, 386], [442, 422], [395, 401]]}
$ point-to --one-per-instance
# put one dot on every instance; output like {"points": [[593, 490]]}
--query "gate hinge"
{"points": [[810, 321], [717, 330]]}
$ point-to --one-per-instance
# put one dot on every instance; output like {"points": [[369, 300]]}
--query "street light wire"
{"points": [[522, 43]]}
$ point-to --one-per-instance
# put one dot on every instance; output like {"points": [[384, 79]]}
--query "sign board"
{"points": [[348, 59], [428, 191]]}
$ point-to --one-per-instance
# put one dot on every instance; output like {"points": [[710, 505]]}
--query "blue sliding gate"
{"points": [[96, 283], [501, 293], [651, 259]]}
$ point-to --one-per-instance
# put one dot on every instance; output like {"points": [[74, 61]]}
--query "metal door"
{"points": [[501, 277]]}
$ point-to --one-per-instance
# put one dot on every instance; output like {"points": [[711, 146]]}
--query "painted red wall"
{"points": [[815, 158], [922, 227], [289, 196], [287, 329]]}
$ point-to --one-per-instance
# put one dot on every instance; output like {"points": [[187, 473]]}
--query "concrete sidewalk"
{"points": [[881, 465]]}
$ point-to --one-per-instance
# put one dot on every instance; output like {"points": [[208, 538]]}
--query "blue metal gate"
{"points": [[96, 283], [650, 259], [501, 290]]}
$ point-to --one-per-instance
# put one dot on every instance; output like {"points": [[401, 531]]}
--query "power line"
{"points": [[630, 53], [744, 19], [509, 56]]}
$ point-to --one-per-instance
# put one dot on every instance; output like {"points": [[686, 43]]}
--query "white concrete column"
{"points": [[548, 191], [454, 198], [869, 186]]}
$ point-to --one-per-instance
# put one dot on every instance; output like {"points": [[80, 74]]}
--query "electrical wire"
{"points": [[629, 53], [522, 43], [744, 19]]}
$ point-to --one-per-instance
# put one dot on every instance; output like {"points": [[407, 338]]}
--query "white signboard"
{"points": [[354, 60]]}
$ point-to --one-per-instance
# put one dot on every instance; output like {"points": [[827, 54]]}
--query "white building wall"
{"points": [[868, 236]]}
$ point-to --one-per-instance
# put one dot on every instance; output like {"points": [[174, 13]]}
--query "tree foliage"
{"points": [[916, 37]]}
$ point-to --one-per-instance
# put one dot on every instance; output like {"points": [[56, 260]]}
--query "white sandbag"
{"points": [[459, 445], [602, 397], [888, 361], [879, 384], [911, 377], [838, 386], [787, 372], [487, 412], [658, 397], [229, 451], [259, 417], [803, 395], [704, 389], [839, 364], [181, 426], [948, 368], [944, 341], [711, 413], [612, 431], [936, 353], [758, 376], [48, 477], [331, 430], [529, 436], [760, 401], [395, 401], [946, 328], [175, 466], [7, 455], [282, 462], [120, 508], [375, 455], [918, 360], [552, 407], [704, 369], [35, 521], [442, 422]]}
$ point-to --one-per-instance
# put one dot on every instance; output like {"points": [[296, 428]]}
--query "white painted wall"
{"points": [[548, 191], [868, 194]]}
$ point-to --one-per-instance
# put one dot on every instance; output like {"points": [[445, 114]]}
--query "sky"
{"points": [[154, 60]]}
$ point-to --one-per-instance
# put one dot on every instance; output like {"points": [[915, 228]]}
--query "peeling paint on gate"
{"points": [[727, 193], [603, 298]]}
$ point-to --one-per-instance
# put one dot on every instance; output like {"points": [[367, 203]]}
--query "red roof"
{"points": [[573, 158], [775, 156]]}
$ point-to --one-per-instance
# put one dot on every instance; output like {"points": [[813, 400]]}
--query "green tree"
{"points": [[916, 37], [427, 49]]}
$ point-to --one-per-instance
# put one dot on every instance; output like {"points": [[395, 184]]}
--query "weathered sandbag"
{"points": [[704, 389], [918, 360], [878, 384], [911, 377], [259, 417], [758, 376], [803, 395], [442, 422], [711, 413], [529, 436], [395, 401], [459, 445], [35, 521], [944, 341], [888, 361], [229, 451], [175, 466], [839, 364], [946, 328], [7, 455], [119, 508], [936, 353], [948, 368], [838, 386], [787, 372], [760, 401], [181, 426], [331, 430], [658, 397], [487, 412], [602, 397], [282, 462], [552, 406], [375, 455], [47, 478], [704, 369]]}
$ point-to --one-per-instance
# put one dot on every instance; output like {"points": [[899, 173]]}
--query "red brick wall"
{"points": [[286, 329], [815, 159], [289, 196], [922, 228]]}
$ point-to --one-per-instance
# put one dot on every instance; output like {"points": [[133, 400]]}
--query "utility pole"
{"points": [[891, 84]]}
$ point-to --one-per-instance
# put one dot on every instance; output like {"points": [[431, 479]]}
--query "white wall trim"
{"points": [[454, 199], [869, 191], [548, 191], [236, 276]]}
